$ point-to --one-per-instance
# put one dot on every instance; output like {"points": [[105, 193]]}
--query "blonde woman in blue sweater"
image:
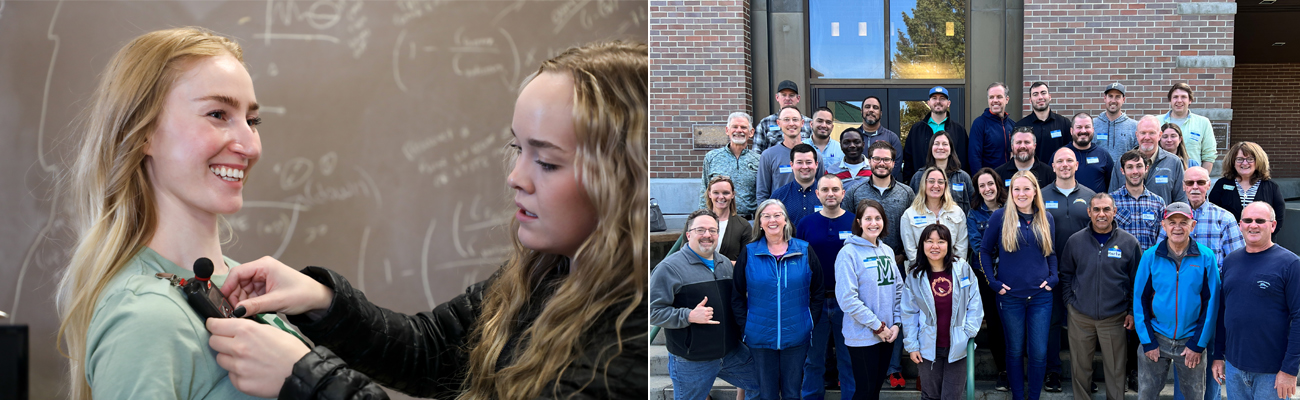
{"points": [[869, 288]]}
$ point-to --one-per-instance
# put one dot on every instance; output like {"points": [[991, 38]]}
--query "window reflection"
{"points": [[846, 39], [910, 112], [927, 39], [847, 114]]}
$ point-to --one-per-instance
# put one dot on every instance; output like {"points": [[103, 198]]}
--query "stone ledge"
{"points": [[1206, 8], [1205, 61]]}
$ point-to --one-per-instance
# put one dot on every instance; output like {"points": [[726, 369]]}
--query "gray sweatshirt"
{"points": [[1116, 137], [869, 288]]}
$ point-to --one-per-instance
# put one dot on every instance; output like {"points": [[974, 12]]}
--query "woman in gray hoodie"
{"points": [[941, 312], [869, 288]]}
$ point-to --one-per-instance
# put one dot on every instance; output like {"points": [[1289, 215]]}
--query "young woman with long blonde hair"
{"points": [[565, 317]]}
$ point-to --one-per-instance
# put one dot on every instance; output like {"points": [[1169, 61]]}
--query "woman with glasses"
{"points": [[942, 157], [933, 204], [1246, 181], [1020, 236], [992, 194], [1171, 140], [778, 294]]}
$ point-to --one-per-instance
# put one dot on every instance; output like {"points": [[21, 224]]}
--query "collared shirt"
{"points": [[832, 153], [1217, 229], [1052, 133], [743, 171], [799, 201], [767, 132], [850, 174], [1141, 216], [935, 126]]}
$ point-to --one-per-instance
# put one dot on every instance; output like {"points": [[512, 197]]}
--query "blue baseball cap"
{"points": [[940, 90]]}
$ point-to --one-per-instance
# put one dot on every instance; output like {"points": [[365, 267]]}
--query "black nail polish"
{"points": [[239, 312]]}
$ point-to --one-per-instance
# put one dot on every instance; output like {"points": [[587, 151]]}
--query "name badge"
{"points": [[957, 187], [1052, 205], [1006, 183], [920, 220], [1229, 187], [773, 127], [1146, 216], [785, 169], [1114, 253], [1195, 135], [1056, 134], [964, 282], [1103, 136], [1161, 179], [817, 208], [870, 263], [1093, 160], [845, 235]]}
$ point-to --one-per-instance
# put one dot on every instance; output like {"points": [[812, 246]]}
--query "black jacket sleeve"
{"points": [[816, 288], [739, 297], [421, 355]]}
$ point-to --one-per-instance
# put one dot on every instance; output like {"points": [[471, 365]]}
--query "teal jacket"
{"points": [[1176, 300]]}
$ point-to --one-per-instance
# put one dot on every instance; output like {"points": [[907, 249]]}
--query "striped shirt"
{"points": [[1141, 216], [1248, 194], [1217, 229]]}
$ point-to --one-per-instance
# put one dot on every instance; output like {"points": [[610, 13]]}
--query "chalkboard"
{"points": [[383, 135]]}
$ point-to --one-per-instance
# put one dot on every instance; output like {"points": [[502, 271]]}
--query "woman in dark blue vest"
{"points": [[777, 297]]}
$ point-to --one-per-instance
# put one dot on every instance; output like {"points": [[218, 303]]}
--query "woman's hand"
{"points": [[916, 357], [267, 285], [259, 357], [1045, 286], [893, 333]]}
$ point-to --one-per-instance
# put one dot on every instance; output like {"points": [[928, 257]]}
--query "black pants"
{"points": [[992, 332], [869, 366]]}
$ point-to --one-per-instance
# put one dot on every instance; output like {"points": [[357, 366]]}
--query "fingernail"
{"points": [[239, 311]]}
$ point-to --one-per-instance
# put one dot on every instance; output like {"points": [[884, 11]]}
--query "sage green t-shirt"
{"points": [[145, 342]]}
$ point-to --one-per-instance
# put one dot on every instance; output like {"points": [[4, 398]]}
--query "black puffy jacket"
{"points": [[359, 344]]}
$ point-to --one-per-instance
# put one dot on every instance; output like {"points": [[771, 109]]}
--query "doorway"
{"points": [[900, 107]]}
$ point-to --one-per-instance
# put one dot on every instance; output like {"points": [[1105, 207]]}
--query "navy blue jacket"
{"points": [[990, 140]]}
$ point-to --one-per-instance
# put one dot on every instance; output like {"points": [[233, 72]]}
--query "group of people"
{"points": [[1108, 225]]}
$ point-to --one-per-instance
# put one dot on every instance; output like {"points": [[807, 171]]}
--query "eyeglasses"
{"points": [[881, 159], [777, 215], [791, 120], [701, 231], [1245, 160], [934, 181], [1196, 183], [1260, 221]]}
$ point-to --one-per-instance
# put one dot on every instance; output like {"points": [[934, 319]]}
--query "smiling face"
{"points": [[1102, 214], [805, 167], [941, 149], [830, 191], [935, 185], [702, 235], [997, 99], [1245, 165], [772, 220], [1082, 132], [851, 144], [822, 124], [1023, 146], [1148, 135], [1114, 101], [870, 112], [791, 122], [555, 214], [721, 196], [938, 103], [739, 131], [1064, 164], [872, 223], [1134, 172], [881, 163], [206, 139], [1196, 182], [1178, 227], [1169, 140], [1179, 100], [1040, 98], [988, 188], [1257, 234], [935, 247], [1023, 193]]}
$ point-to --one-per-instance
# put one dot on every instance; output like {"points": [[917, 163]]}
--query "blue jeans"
{"points": [[780, 372], [1244, 385], [1025, 322], [694, 379], [1212, 388], [895, 356], [831, 325]]}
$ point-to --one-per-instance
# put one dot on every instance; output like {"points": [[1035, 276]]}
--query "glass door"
{"points": [[901, 107]]}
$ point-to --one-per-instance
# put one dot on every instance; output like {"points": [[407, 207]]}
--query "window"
{"points": [[847, 39], [925, 39]]}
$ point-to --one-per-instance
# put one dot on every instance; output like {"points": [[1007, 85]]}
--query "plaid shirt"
{"points": [[1141, 216], [1217, 229]]}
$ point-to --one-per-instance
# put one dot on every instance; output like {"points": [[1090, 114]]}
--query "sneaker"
{"points": [[1133, 381], [1052, 383], [1002, 385], [896, 381]]}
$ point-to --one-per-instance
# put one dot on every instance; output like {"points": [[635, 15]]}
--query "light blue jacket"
{"points": [[920, 330]]}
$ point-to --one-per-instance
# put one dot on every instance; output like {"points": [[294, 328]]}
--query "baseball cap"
{"points": [[1178, 207], [787, 84], [1114, 86], [940, 90]]}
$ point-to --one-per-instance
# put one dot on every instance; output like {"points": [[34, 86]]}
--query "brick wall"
{"points": [[1079, 46], [699, 74], [1264, 98]]}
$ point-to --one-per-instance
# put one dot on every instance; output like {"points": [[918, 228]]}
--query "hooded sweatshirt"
{"points": [[869, 289], [1116, 137]]}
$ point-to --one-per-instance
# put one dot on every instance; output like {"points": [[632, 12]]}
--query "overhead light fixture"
{"points": [[1266, 2], [1275, 44]]}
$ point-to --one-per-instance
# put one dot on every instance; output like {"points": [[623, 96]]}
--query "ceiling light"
{"points": [[1275, 44]]}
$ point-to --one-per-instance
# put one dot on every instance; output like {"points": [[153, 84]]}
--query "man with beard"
{"points": [[1216, 228], [829, 149], [774, 168], [873, 132], [737, 161], [895, 196], [1259, 328], [690, 297], [1164, 175], [918, 137], [1067, 201], [1051, 128], [1095, 164], [853, 169], [768, 132], [800, 195], [1023, 148], [1137, 209], [990, 133], [1116, 133], [1198, 134], [825, 231]]}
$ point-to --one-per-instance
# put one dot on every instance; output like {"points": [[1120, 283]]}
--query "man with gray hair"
{"points": [[737, 161], [1164, 175]]}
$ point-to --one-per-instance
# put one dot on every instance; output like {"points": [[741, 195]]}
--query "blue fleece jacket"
{"points": [[1177, 300], [1022, 270], [990, 140]]}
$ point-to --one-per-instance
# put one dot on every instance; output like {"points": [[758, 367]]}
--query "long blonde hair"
{"points": [[113, 203], [1011, 221], [945, 200], [611, 274]]}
